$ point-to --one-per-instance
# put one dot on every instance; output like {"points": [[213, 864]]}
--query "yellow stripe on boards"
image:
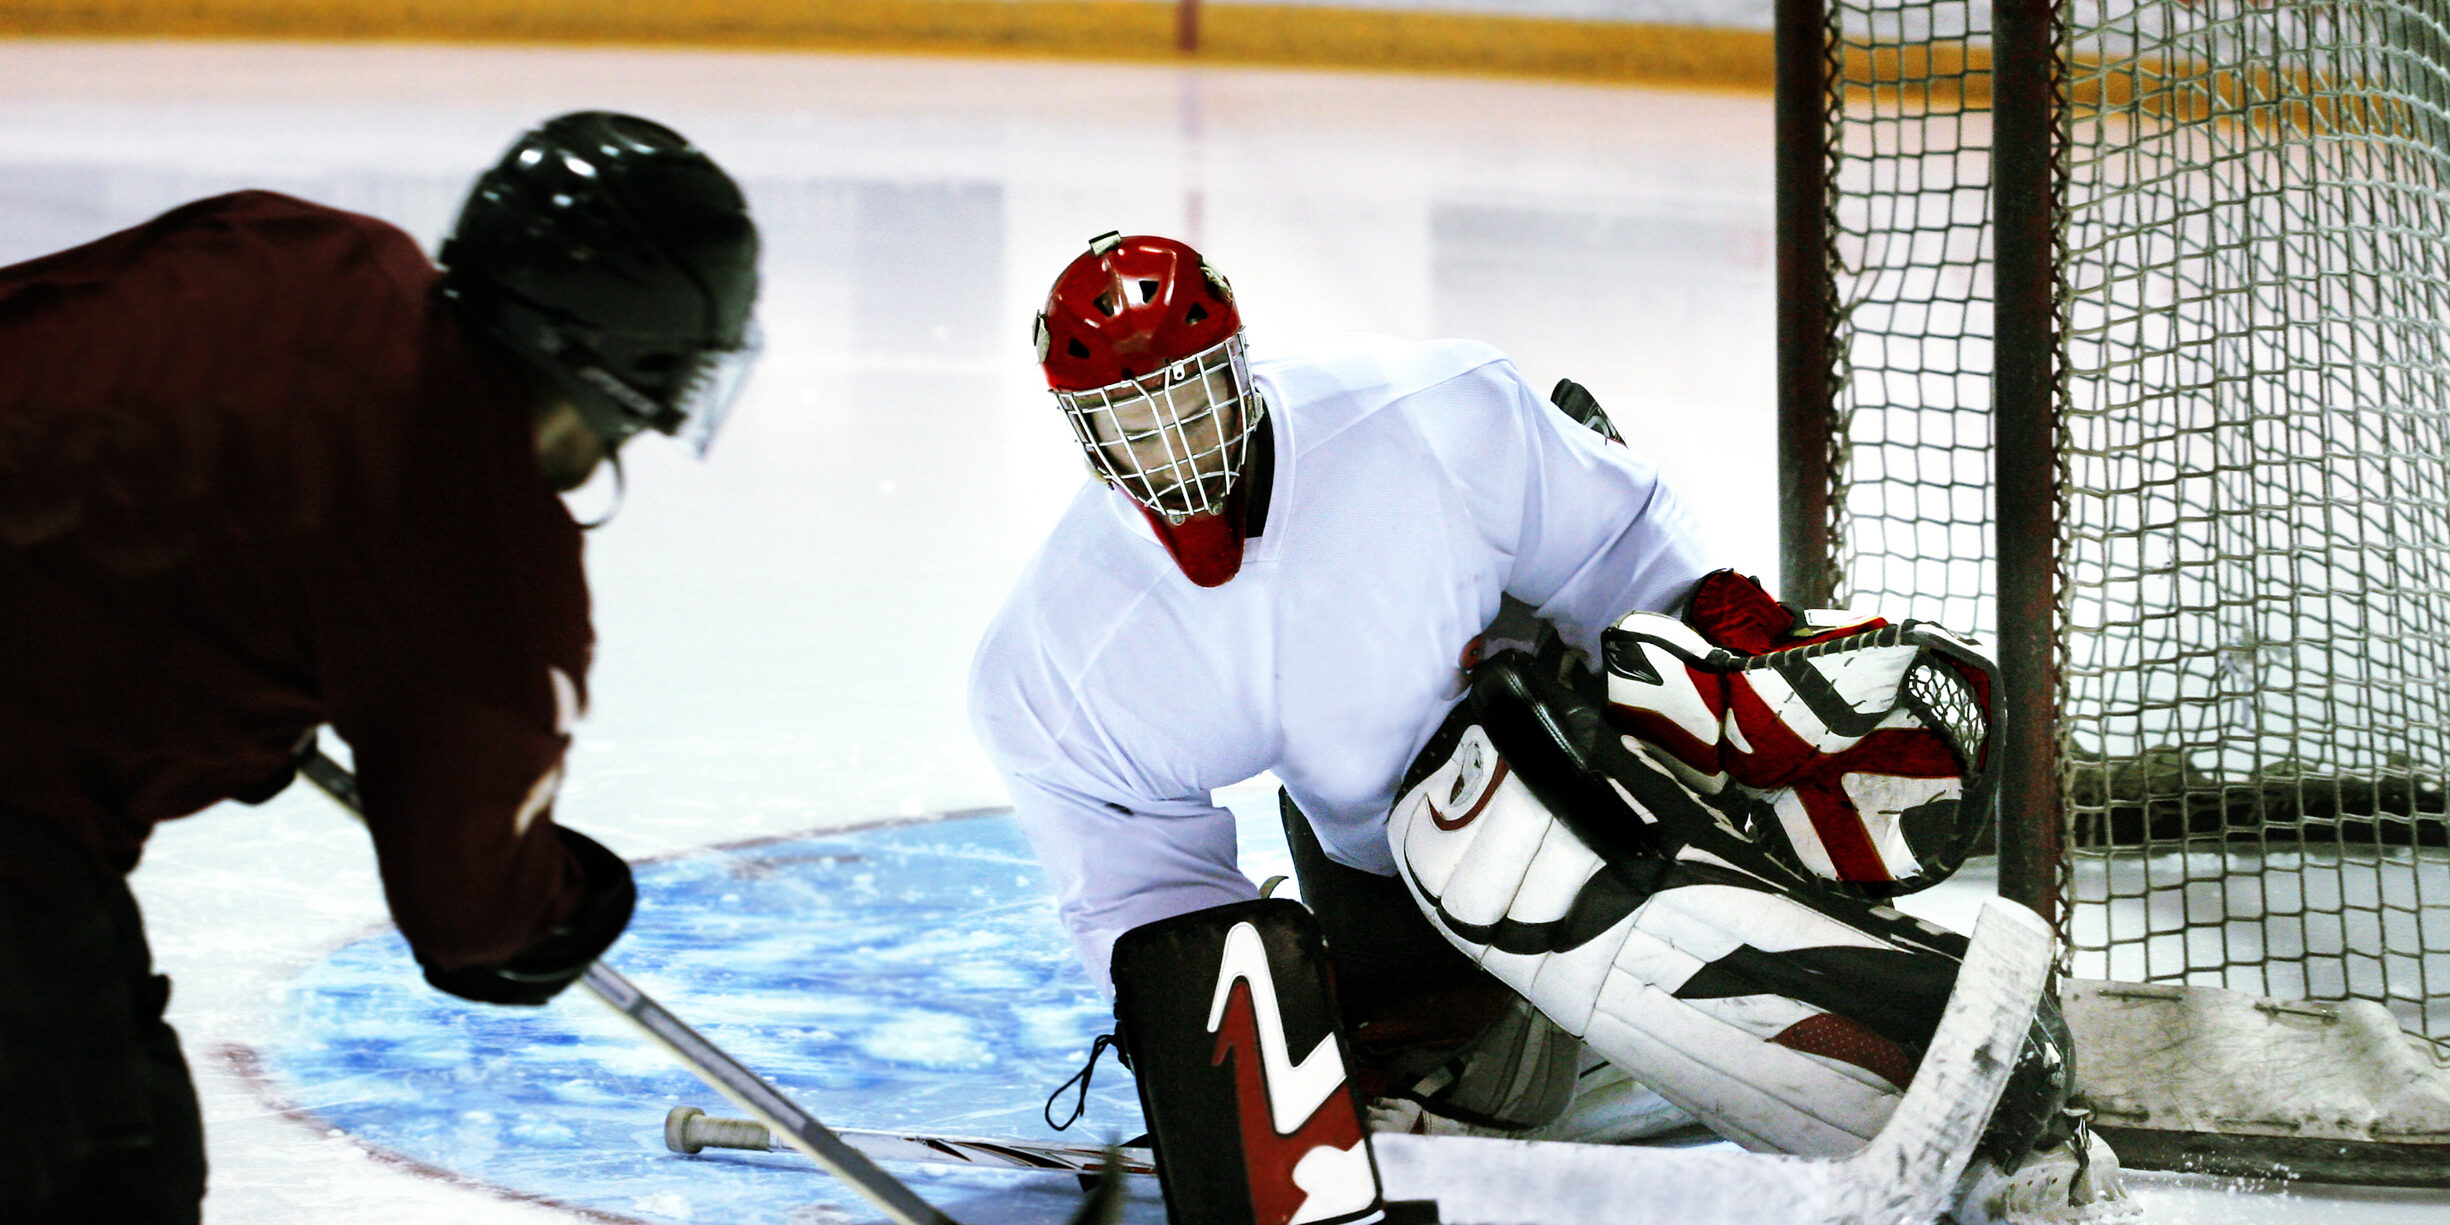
{"points": [[1470, 42], [1301, 35]]}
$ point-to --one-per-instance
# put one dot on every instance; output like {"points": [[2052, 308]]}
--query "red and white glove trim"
{"points": [[1869, 743], [1664, 691]]}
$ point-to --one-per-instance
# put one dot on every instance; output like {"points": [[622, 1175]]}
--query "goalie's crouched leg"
{"points": [[1578, 870], [1229, 1020], [1437, 1044]]}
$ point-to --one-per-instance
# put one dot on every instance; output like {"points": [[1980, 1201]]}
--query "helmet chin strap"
{"points": [[1207, 548]]}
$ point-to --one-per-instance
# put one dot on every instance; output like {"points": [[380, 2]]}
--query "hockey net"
{"points": [[2255, 541], [2251, 630]]}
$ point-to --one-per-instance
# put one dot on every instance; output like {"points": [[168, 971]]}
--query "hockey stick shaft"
{"points": [[688, 1130], [723, 1073], [750, 1092]]}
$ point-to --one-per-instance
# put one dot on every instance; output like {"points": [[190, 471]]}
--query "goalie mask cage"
{"points": [[2119, 333]]}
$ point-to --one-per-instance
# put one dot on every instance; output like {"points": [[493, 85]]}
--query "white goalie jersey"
{"points": [[1414, 486]]}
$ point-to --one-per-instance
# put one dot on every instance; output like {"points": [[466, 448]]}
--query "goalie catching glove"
{"points": [[1632, 910], [1869, 744]]}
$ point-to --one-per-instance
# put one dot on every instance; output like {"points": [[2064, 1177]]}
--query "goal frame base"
{"points": [[2367, 1163]]}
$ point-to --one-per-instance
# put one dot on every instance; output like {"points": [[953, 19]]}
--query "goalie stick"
{"points": [[1906, 1174], [688, 1129], [732, 1079]]}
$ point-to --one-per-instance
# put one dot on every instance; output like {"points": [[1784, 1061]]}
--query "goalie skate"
{"points": [[2074, 1182]]}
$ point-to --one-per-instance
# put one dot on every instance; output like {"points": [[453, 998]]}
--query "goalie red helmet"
{"points": [[1142, 347], [1131, 307]]}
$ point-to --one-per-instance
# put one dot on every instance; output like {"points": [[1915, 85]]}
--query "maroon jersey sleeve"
{"points": [[457, 628], [255, 476]]}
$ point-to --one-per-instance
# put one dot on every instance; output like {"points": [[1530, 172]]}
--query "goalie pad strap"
{"points": [[1391, 968], [1231, 1024], [1422, 1023]]}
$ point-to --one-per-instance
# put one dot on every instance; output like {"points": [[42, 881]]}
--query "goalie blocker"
{"points": [[1229, 1022]]}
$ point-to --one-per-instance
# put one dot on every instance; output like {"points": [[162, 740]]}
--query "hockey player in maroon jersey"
{"points": [[1660, 841], [265, 467]]}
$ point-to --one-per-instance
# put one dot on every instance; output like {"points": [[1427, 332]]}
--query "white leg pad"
{"points": [[1498, 875], [1759, 1094]]}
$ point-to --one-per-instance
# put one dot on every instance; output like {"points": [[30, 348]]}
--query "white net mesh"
{"points": [[1911, 260], [2254, 546]]}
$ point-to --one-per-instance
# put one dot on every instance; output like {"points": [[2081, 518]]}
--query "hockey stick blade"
{"points": [[724, 1074], [1905, 1175], [688, 1130]]}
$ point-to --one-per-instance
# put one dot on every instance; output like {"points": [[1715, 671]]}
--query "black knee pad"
{"points": [[1382, 949]]}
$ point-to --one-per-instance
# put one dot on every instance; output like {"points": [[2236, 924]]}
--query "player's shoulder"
{"points": [[266, 254], [274, 219], [1372, 369], [1089, 609], [255, 206], [231, 240], [1088, 581], [1452, 392]]}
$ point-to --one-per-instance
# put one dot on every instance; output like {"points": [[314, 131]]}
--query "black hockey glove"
{"points": [[541, 970]]}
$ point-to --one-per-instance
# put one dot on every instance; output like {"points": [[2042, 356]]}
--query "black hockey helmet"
{"points": [[609, 253]]}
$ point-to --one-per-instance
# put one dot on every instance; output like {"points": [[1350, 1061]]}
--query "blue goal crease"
{"points": [[900, 977]]}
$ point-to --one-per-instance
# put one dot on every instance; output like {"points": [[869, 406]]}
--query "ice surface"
{"points": [[785, 627], [897, 977]]}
